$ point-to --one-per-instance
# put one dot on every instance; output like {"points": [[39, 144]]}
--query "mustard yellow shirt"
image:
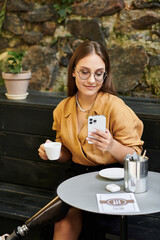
{"points": [[121, 121]]}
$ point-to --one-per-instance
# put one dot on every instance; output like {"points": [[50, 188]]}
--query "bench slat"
{"points": [[17, 211], [27, 120], [22, 202], [42, 174], [25, 189]]}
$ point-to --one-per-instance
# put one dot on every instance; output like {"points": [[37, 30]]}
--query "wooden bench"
{"points": [[28, 183]]}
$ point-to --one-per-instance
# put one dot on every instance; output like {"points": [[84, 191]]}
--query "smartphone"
{"points": [[98, 122]]}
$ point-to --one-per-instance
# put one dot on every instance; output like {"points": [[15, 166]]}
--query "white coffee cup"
{"points": [[53, 150]]}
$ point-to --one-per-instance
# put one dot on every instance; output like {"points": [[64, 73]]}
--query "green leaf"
{"points": [[63, 8], [54, 41], [62, 12], [11, 59], [14, 54], [56, 6], [11, 66], [15, 61], [69, 10]]}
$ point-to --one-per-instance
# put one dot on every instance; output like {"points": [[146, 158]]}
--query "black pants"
{"points": [[76, 169]]}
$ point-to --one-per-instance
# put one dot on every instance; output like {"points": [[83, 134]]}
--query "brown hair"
{"points": [[83, 50]]}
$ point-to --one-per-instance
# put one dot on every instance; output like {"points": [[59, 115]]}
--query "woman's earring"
{"points": [[73, 74]]}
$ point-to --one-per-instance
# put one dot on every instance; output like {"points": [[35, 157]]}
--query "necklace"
{"points": [[83, 110]]}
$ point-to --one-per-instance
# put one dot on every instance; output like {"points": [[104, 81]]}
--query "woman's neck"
{"points": [[86, 102]]}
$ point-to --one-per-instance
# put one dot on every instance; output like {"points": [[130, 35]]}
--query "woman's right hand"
{"points": [[42, 152]]}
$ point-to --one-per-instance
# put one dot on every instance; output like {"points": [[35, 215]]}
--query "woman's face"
{"points": [[87, 83]]}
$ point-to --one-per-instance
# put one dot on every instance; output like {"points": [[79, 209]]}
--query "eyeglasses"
{"points": [[99, 75]]}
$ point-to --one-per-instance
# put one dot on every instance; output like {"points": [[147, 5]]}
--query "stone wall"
{"points": [[129, 29]]}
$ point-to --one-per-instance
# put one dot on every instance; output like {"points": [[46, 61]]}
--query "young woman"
{"points": [[91, 92]]}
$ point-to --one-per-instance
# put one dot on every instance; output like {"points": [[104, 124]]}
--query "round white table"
{"points": [[80, 192]]}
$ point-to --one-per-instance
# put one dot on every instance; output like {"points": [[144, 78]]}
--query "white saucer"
{"points": [[112, 173], [16, 97]]}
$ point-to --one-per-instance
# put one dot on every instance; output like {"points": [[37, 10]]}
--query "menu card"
{"points": [[117, 203]]}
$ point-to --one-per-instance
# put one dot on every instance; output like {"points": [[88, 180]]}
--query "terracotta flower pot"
{"points": [[16, 84]]}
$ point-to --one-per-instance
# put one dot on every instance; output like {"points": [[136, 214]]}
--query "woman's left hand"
{"points": [[103, 141]]}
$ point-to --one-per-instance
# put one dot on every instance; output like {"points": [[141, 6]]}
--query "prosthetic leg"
{"points": [[54, 211]]}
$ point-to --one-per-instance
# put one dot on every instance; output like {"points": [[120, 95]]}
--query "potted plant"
{"points": [[16, 80]]}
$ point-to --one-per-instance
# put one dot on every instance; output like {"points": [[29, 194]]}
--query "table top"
{"points": [[80, 192]]}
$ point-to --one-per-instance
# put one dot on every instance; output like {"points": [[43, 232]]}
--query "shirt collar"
{"points": [[70, 107], [96, 109]]}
